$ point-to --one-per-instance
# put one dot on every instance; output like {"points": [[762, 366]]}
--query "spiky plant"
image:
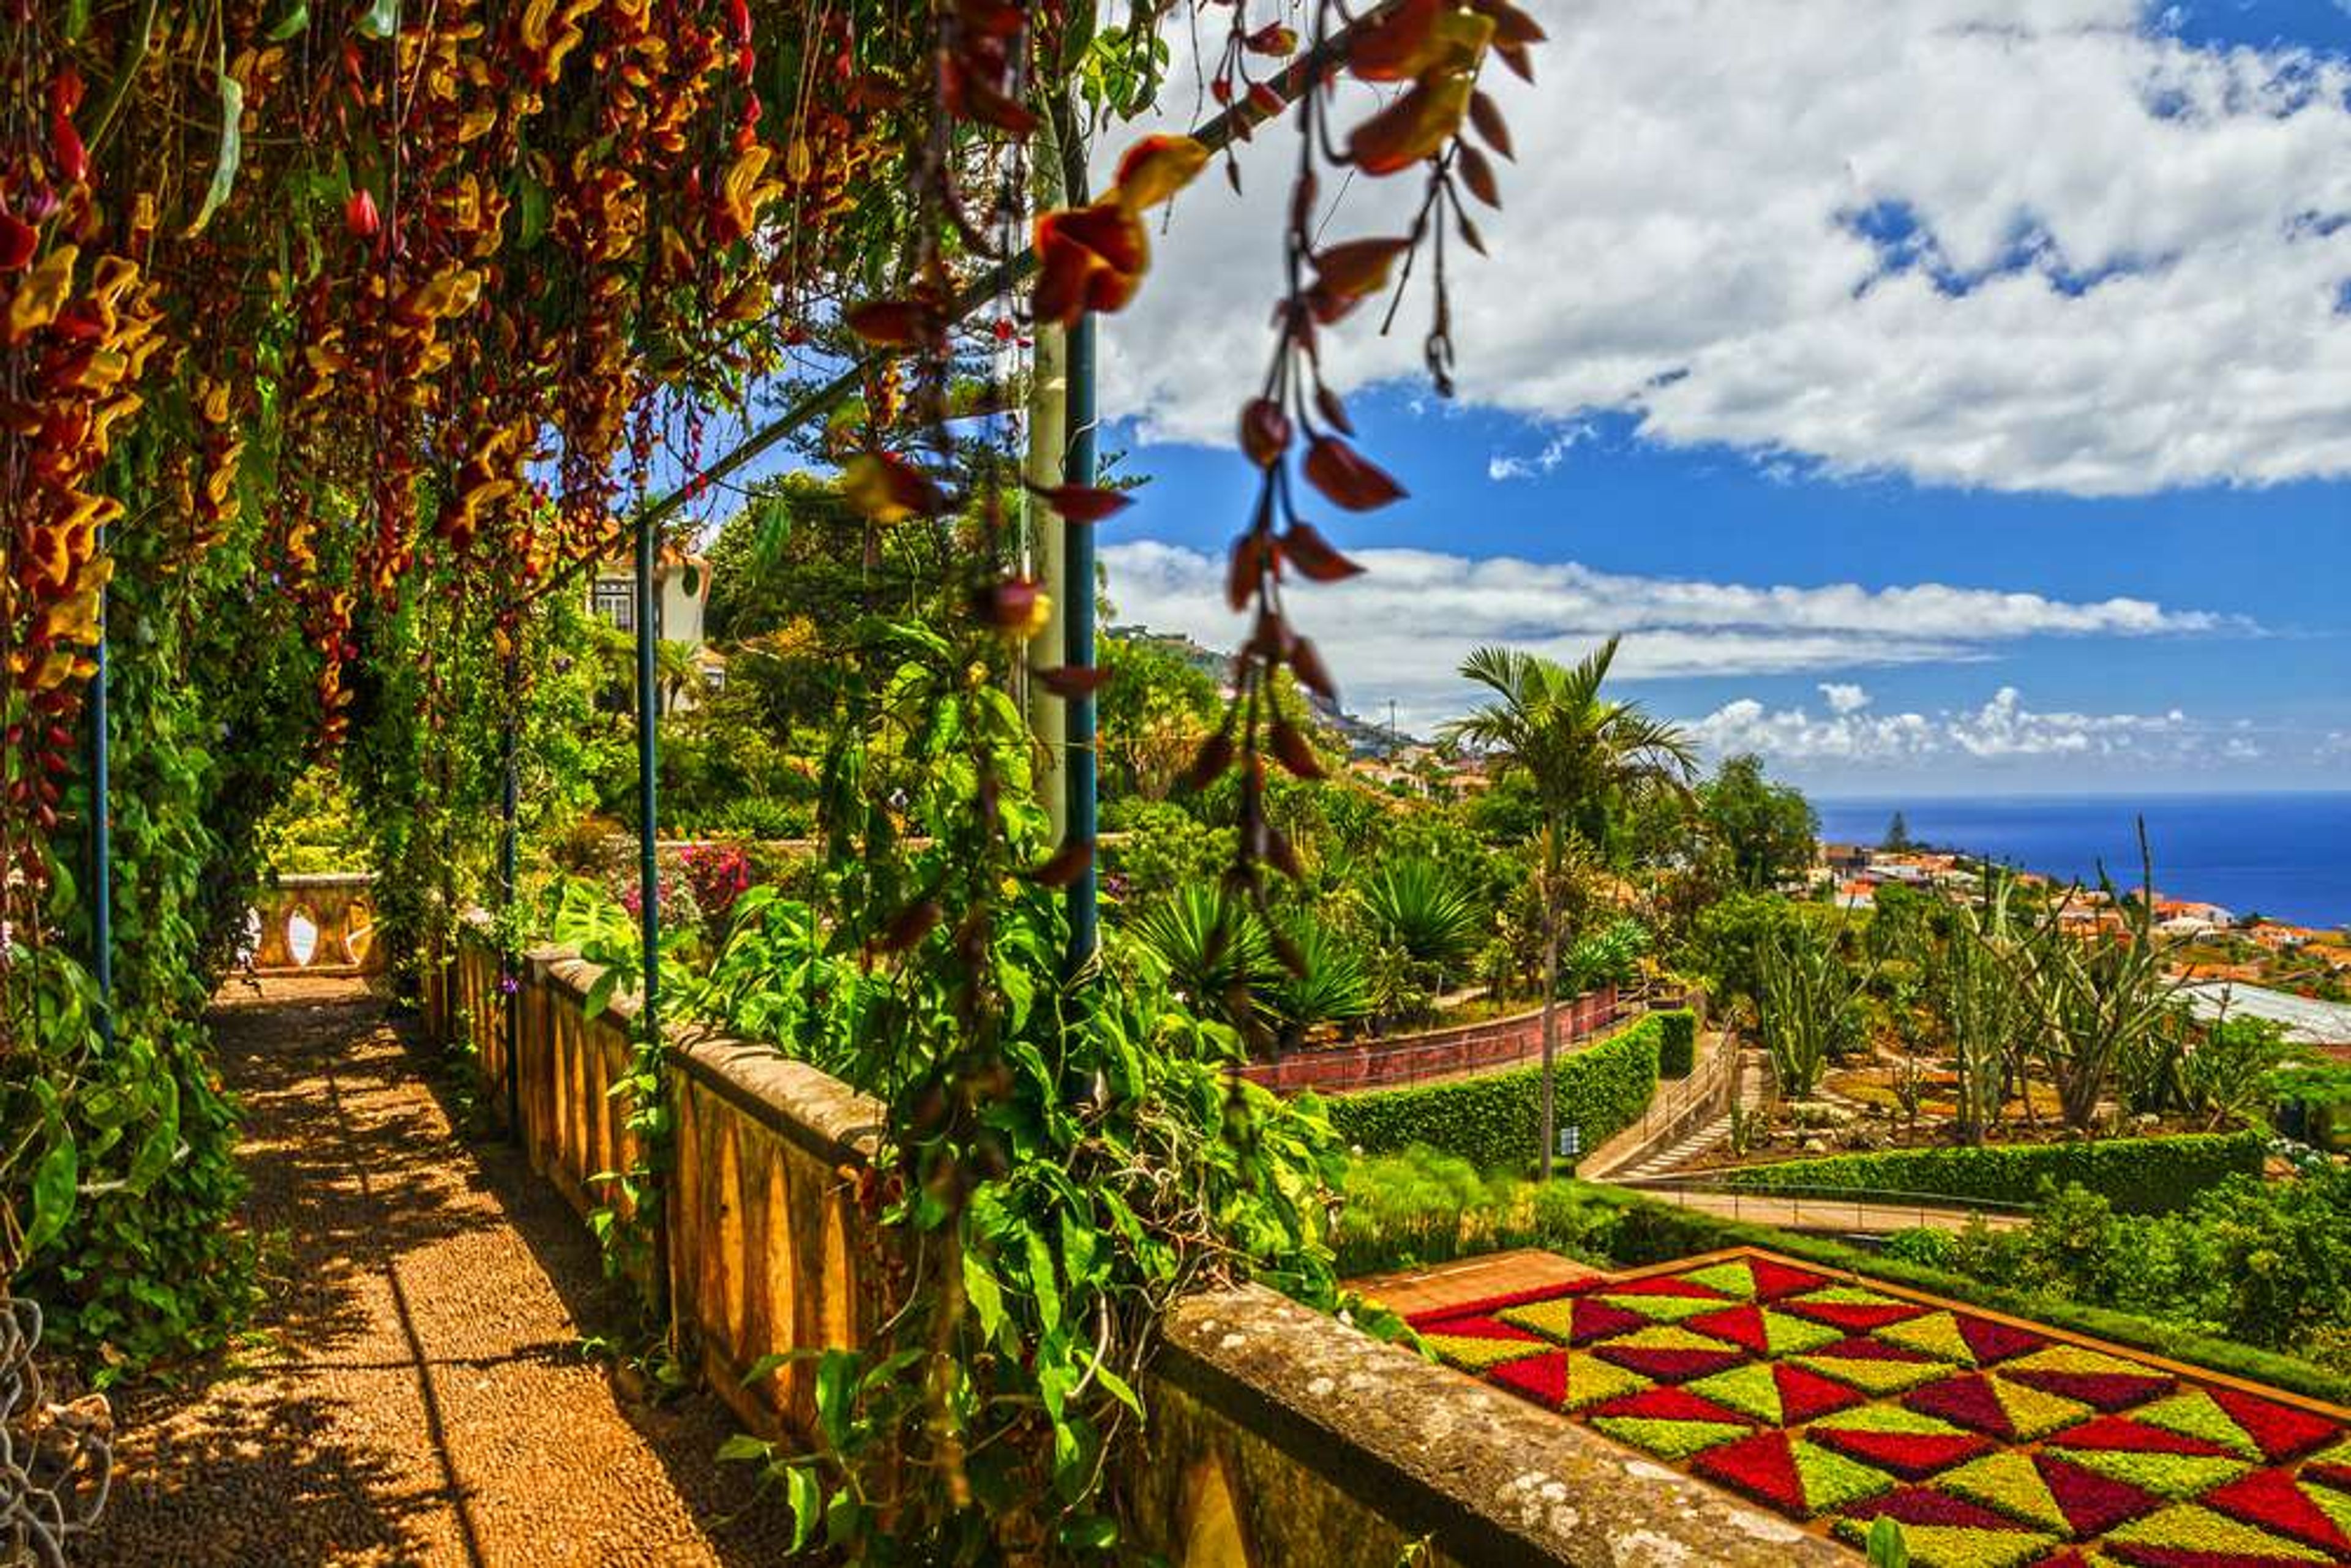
{"points": [[1418, 907]]}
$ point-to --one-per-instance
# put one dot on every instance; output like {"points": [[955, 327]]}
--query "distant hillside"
{"points": [[1362, 736]]}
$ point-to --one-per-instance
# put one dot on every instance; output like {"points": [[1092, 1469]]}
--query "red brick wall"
{"points": [[1407, 1058]]}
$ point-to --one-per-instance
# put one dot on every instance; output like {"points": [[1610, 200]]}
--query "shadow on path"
{"points": [[413, 1392]]}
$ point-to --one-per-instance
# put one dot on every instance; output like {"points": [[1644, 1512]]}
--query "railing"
{"points": [[316, 925], [1501, 1042], [1868, 1210]]}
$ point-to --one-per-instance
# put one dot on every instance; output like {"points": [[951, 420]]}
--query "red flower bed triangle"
{"points": [[1993, 1342], [2120, 1434], [1597, 1320], [2100, 1390], [1741, 1326], [1670, 1363], [2270, 1499], [1913, 1456], [2147, 1556], [1761, 1466], [2280, 1431], [1774, 1279], [1857, 1316], [1968, 1400], [2092, 1503], [1805, 1394], [1670, 1404], [1541, 1378]]}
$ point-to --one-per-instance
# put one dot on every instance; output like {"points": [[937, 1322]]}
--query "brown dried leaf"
{"points": [[1490, 125], [1306, 661], [1292, 749], [1067, 865], [1209, 763], [1348, 478], [1072, 680], [1303, 546], [1082, 503], [1478, 174], [1265, 432]]}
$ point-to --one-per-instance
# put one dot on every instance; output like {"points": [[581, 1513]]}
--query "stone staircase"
{"points": [[1754, 1090]]}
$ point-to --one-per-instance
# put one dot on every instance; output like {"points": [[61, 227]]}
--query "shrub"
{"points": [[1420, 1206], [1676, 1042], [2138, 1176], [1492, 1121]]}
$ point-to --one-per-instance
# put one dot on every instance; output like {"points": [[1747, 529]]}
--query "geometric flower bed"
{"points": [[1995, 1444]]}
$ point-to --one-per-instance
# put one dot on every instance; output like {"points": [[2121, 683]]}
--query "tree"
{"points": [[1768, 829], [1584, 752], [1897, 834], [1152, 713]]}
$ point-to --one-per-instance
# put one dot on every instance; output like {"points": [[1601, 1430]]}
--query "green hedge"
{"points": [[1677, 1043], [2137, 1176], [1647, 1231], [1493, 1120]]}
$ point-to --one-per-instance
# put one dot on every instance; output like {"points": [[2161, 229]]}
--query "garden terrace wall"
{"points": [[2137, 1176], [1277, 1433], [1444, 1052]]}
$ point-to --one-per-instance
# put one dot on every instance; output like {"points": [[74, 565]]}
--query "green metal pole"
{"points": [[1078, 634], [101, 831], [649, 879], [509, 977]]}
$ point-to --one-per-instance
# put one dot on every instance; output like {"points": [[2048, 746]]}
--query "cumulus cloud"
{"points": [[2010, 243], [1401, 629], [1844, 697], [2002, 729]]}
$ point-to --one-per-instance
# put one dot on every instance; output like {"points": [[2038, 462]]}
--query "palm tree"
{"points": [[1582, 751]]}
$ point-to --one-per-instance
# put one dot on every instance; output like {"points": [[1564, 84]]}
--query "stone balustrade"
{"points": [[316, 925]]}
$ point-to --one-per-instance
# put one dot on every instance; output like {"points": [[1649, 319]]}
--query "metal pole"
{"points": [[1078, 649], [649, 876], [510, 978], [101, 830]]}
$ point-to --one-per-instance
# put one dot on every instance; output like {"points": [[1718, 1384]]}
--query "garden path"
{"points": [[415, 1390]]}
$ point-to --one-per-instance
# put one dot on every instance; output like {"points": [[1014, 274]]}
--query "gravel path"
{"points": [[414, 1392]]}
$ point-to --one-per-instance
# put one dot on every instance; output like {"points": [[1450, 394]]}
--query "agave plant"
{"points": [[1417, 906], [1333, 986], [1217, 952]]}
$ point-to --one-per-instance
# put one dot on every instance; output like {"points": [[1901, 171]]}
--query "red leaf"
{"points": [[1265, 432], [1291, 750], [1209, 764], [1411, 129], [18, 240], [1082, 503], [1305, 548], [894, 323], [1347, 477], [359, 215], [1358, 266], [1490, 125], [1072, 680], [1478, 174], [1242, 572], [1066, 866], [1273, 39], [1312, 674]]}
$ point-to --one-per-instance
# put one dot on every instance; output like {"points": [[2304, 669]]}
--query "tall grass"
{"points": [[1420, 1206]]}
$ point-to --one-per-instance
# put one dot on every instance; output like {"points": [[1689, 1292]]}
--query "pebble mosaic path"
{"points": [[414, 1391]]}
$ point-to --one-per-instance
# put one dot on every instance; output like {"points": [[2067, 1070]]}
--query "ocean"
{"points": [[2287, 857]]}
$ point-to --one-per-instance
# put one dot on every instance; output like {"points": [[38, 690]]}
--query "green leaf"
{"points": [[293, 22], [1042, 1280], [743, 1448], [836, 1387], [1120, 1389], [231, 152], [77, 20], [381, 20], [986, 1296], [599, 993], [1093, 1531], [53, 1190], [807, 1498], [1888, 1549]]}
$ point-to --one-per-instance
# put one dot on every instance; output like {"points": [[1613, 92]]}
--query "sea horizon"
{"points": [[2283, 854]]}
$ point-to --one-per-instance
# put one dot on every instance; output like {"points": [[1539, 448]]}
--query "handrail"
{"points": [[1903, 1196]]}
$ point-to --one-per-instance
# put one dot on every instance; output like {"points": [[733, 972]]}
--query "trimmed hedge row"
{"points": [[1647, 1231], [2137, 1176], [1677, 1043], [1494, 1121]]}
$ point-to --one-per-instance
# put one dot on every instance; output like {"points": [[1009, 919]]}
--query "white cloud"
{"points": [[1502, 465], [2001, 729], [1844, 697], [1401, 629], [2120, 272]]}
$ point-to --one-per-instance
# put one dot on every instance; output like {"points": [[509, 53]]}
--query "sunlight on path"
{"points": [[415, 1394]]}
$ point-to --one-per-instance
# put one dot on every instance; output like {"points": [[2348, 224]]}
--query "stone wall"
{"points": [[1278, 1435]]}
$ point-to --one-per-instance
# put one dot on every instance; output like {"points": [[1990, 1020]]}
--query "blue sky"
{"points": [[1999, 443]]}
